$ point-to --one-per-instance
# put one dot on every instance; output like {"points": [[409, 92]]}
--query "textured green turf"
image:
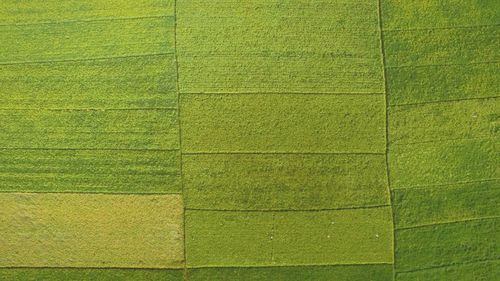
{"points": [[133, 171], [91, 230], [218, 238], [283, 123], [382, 272], [283, 181], [483, 270], [263, 46], [132, 82], [67, 274]]}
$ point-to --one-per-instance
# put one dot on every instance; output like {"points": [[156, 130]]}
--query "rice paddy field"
{"points": [[251, 140]]}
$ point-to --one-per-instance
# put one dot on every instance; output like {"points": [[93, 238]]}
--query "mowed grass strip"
{"points": [[485, 270], [417, 14], [440, 204], [470, 119], [410, 85], [284, 181], [326, 46], [132, 82], [409, 48], [89, 129], [283, 123], [447, 244], [375, 272], [446, 162], [133, 171], [94, 274], [91, 230], [31, 12], [228, 239], [86, 40]]}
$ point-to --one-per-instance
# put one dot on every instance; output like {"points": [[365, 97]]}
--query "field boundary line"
{"points": [[448, 222], [86, 59], [444, 101], [287, 210], [442, 28], [87, 20]]}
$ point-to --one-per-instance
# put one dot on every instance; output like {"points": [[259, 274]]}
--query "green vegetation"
{"points": [[377, 272], [135, 171], [91, 230], [284, 181], [283, 123], [219, 238]]}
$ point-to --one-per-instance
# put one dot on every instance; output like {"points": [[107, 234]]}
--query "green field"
{"points": [[255, 140]]}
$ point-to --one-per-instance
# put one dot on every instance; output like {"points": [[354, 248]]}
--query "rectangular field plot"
{"points": [[283, 123], [227, 239], [326, 46], [89, 129], [284, 181], [85, 230], [447, 203], [375, 272], [132, 82], [75, 10], [132, 171], [442, 245]]}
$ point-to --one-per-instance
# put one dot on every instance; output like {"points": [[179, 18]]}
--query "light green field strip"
{"points": [[442, 46], [274, 46], [488, 270], [418, 14], [70, 274], [131, 171], [375, 272], [86, 40], [27, 12], [470, 119], [286, 181], [91, 230], [227, 239], [283, 123], [133, 82], [409, 85], [444, 162], [440, 204], [447, 244], [89, 129]]}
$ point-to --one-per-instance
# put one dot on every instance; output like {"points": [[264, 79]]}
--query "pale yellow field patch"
{"points": [[91, 230]]}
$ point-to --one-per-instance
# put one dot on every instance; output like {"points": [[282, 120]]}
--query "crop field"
{"points": [[251, 140]]}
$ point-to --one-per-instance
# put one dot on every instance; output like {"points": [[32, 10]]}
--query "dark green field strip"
{"points": [[284, 181], [410, 85], [446, 162], [375, 272], [283, 123], [91, 230], [477, 271], [132, 82], [226, 239], [90, 274], [86, 40], [15, 12], [326, 46], [442, 46], [418, 14], [468, 119], [131, 171], [439, 204], [89, 129], [447, 244]]}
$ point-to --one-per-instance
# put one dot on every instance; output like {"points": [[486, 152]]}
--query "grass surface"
{"points": [[306, 140]]}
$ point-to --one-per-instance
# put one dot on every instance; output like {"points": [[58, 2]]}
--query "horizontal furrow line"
{"points": [[287, 93], [445, 184], [444, 101], [440, 28], [88, 109], [86, 149], [88, 20], [446, 266], [289, 210], [90, 193], [486, 137], [447, 222], [293, 265], [87, 59], [444, 64], [282, 153]]}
